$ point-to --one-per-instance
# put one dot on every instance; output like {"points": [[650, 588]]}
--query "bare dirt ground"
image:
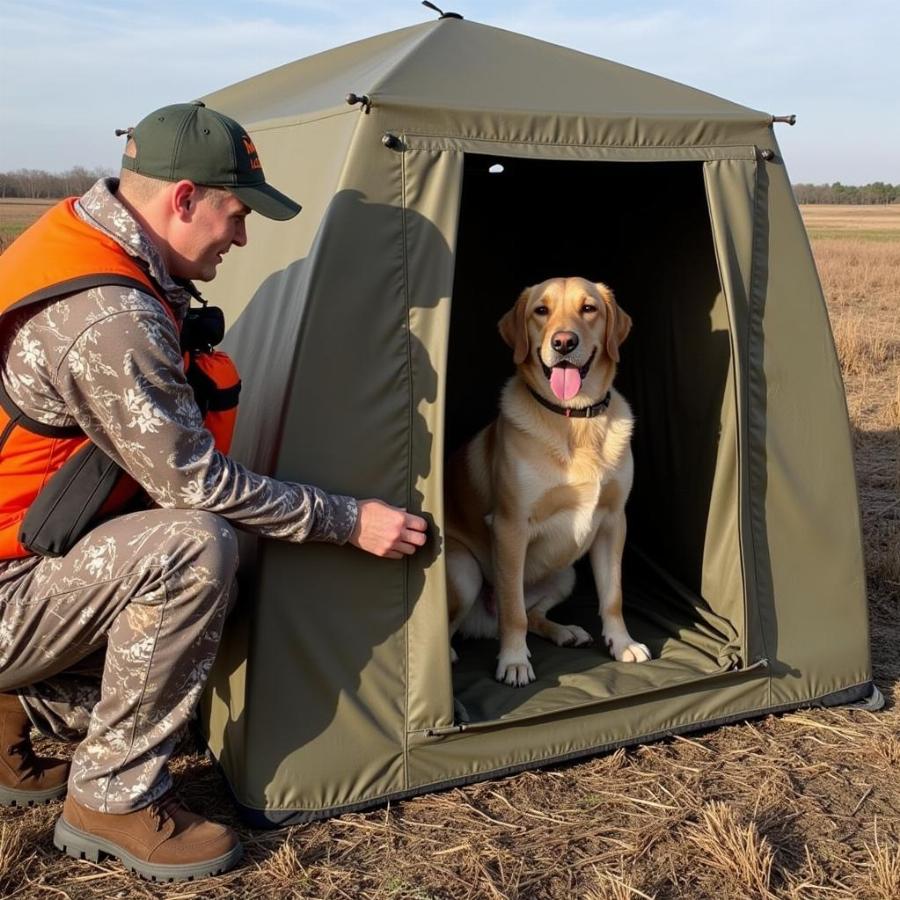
{"points": [[805, 805]]}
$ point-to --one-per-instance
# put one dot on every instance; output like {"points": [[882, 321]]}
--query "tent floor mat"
{"points": [[686, 641]]}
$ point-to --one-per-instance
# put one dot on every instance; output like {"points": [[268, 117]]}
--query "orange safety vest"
{"points": [[57, 256]]}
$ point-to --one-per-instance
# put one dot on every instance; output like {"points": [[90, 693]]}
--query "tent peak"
{"points": [[443, 15], [468, 65]]}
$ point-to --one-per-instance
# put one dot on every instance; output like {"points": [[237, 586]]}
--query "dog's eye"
{"points": [[541, 310], [588, 308]]}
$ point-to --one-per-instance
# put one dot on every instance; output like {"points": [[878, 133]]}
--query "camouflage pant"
{"points": [[153, 589]]}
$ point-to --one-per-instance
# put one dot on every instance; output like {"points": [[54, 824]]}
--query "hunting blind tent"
{"points": [[476, 162]]}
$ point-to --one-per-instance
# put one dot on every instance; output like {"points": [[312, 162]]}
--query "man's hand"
{"points": [[384, 530]]}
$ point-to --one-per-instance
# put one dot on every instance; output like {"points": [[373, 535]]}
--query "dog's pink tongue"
{"points": [[565, 382]]}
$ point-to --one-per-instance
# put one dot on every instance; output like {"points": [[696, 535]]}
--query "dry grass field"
{"points": [[874, 223], [805, 805], [16, 215]]}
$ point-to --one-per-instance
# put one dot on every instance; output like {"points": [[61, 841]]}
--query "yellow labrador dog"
{"points": [[546, 482]]}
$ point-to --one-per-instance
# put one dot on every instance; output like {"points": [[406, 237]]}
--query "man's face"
{"points": [[215, 223]]}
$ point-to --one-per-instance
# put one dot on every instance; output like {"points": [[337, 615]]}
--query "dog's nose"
{"points": [[564, 341]]}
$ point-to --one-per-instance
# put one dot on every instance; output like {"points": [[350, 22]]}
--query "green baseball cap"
{"points": [[190, 141]]}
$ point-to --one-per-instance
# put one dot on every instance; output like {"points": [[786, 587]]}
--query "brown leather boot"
{"points": [[162, 841], [25, 778]]}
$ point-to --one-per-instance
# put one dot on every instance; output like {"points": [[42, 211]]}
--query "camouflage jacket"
{"points": [[108, 360]]}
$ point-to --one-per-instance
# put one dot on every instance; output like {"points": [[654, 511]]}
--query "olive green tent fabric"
{"points": [[483, 161]]}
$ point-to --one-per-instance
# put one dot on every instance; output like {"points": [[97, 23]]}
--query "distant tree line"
{"points": [[877, 192], [36, 184]]}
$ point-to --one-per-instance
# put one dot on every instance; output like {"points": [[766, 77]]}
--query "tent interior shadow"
{"points": [[644, 230]]}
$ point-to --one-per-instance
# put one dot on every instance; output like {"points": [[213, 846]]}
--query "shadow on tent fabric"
{"points": [[275, 331]]}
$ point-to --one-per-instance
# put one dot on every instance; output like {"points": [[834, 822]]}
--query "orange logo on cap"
{"points": [[251, 152]]}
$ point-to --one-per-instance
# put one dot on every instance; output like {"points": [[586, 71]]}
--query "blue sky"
{"points": [[71, 72]]}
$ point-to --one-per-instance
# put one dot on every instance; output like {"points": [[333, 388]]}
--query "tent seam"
{"points": [[409, 453], [760, 120], [426, 34], [538, 143], [297, 121]]}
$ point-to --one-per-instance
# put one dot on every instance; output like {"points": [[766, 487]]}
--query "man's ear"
{"points": [[618, 322], [184, 199], [514, 330]]}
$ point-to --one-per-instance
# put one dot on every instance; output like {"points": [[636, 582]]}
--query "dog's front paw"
{"points": [[514, 668], [626, 649]]}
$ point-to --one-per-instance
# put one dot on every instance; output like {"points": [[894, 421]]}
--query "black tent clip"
{"points": [[353, 99], [444, 15]]}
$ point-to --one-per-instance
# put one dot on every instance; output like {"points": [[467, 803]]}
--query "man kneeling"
{"points": [[92, 302]]}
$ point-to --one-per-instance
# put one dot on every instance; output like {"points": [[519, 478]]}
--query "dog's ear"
{"points": [[618, 322], [514, 330]]}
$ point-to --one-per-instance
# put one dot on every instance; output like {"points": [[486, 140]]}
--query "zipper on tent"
{"points": [[445, 730]]}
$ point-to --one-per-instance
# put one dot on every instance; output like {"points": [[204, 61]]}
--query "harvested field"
{"points": [[16, 215], [878, 223], [805, 805]]}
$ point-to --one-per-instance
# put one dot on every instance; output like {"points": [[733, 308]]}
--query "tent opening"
{"points": [[643, 228]]}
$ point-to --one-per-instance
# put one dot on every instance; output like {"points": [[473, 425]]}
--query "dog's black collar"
{"points": [[585, 412]]}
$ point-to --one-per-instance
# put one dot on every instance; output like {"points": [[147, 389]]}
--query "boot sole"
{"points": [[14, 797], [83, 845]]}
